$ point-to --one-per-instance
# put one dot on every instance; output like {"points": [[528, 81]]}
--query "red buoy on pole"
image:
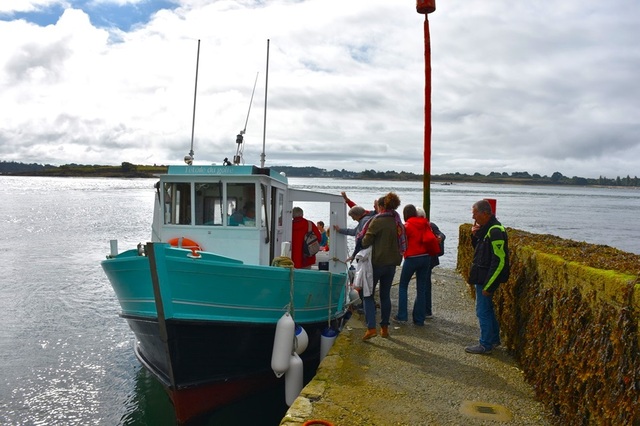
{"points": [[425, 7], [493, 203]]}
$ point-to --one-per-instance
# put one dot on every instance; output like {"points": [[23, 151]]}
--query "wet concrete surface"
{"points": [[419, 375]]}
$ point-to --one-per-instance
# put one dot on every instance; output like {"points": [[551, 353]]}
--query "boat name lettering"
{"points": [[200, 170]]}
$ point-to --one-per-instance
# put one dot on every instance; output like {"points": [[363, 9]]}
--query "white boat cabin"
{"points": [[242, 212]]}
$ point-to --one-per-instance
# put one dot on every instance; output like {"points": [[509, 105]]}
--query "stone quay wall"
{"points": [[570, 315]]}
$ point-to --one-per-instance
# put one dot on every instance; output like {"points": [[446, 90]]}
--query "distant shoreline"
{"points": [[133, 171], [433, 180]]}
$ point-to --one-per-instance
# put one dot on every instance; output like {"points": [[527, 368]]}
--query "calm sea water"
{"points": [[595, 215], [67, 358]]}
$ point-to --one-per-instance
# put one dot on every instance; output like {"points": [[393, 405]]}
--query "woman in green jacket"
{"points": [[386, 235]]}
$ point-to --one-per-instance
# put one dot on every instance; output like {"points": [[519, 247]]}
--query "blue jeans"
{"points": [[428, 309], [420, 265], [384, 274], [489, 327]]}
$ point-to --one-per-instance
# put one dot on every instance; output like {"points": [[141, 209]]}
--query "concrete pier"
{"points": [[420, 375]]}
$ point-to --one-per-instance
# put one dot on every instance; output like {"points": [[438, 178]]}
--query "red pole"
{"points": [[426, 177], [425, 7]]}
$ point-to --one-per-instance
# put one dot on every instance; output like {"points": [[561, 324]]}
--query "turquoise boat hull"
{"points": [[214, 340], [216, 288]]}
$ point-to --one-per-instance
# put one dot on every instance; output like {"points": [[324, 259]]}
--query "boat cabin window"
{"points": [[241, 204], [215, 204], [209, 203], [177, 203], [280, 208]]}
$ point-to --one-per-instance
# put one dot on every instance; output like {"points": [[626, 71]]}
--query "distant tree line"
{"points": [[556, 178], [128, 170], [133, 170]]}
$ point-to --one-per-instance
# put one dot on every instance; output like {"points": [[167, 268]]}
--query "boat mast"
{"points": [[189, 158], [264, 128]]}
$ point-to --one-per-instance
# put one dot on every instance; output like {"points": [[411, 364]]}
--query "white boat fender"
{"points": [[326, 341], [282, 344], [302, 340], [354, 297], [293, 379]]}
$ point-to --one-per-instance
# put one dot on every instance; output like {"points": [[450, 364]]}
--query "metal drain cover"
{"points": [[485, 411]]}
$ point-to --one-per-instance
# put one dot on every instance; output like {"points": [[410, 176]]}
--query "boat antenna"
{"points": [[189, 158], [240, 138], [264, 131]]}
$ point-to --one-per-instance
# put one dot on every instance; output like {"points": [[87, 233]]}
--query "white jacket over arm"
{"points": [[364, 272]]}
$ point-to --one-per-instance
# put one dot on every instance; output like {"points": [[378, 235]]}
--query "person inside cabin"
{"points": [[249, 212], [300, 227], [324, 240], [236, 218], [326, 248], [246, 216]]}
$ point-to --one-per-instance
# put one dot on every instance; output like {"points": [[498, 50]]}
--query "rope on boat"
{"points": [[330, 298], [283, 262], [291, 310], [286, 262]]}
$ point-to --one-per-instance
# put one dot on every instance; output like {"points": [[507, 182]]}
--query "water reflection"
{"points": [[149, 404]]}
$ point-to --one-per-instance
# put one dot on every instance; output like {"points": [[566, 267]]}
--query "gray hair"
{"points": [[297, 212], [356, 212], [483, 206], [420, 211]]}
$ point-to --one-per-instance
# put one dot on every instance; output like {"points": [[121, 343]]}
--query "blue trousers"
{"points": [[383, 274], [421, 266], [489, 327]]}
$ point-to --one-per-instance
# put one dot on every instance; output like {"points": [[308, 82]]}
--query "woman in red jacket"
{"points": [[300, 229], [417, 259]]}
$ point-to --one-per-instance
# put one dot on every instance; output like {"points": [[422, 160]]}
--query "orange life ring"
{"points": [[185, 243], [317, 422]]}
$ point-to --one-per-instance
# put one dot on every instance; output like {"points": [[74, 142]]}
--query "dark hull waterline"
{"points": [[214, 363]]}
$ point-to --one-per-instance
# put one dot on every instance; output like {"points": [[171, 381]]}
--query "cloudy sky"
{"points": [[517, 85]]}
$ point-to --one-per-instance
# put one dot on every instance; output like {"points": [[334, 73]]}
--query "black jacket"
{"points": [[435, 260], [490, 265]]}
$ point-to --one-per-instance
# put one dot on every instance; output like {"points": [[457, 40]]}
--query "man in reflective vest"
{"points": [[490, 268]]}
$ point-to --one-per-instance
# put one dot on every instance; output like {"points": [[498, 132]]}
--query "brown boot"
{"points": [[384, 331], [369, 334]]}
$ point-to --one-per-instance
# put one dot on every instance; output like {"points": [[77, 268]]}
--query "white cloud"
{"points": [[517, 86]]}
